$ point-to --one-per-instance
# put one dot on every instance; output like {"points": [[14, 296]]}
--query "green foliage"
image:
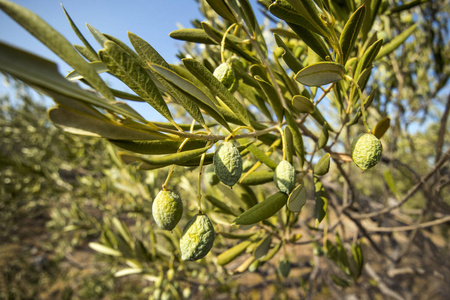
{"points": [[346, 66]]}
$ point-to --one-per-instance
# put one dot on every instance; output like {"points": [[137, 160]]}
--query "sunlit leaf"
{"points": [[297, 198], [321, 201], [262, 210], [55, 42], [230, 254], [208, 79], [323, 165], [351, 30], [321, 73], [396, 42], [132, 74], [382, 126], [302, 104]]}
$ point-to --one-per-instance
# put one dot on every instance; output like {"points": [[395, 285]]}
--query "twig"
{"points": [[410, 227]]}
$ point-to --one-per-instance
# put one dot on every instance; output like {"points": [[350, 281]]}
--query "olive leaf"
{"points": [[146, 52], [262, 247], [297, 198], [302, 104], [323, 166], [312, 40], [321, 73], [368, 57], [208, 79], [198, 97], [222, 9], [157, 146], [88, 46], [396, 42], [262, 157], [124, 67], [321, 201], [382, 126], [323, 137], [257, 178], [55, 42], [79, 122], [272, 96], [296, 137], [262, 210], [350, 32], [232, 253], [98, 66]]}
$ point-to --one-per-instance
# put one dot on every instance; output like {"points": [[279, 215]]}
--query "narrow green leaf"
{"points": [[350, 32], [86, 53], [208, 79], [262, 210], [263, 247], [88, 46], [230, 254], [302, 104], [367, 103], [272, 96], [297, 198], [236, 236], [127, 271], [43, 75], [134, 75], [288, 144], [55, 42], [382, 126], [258, 177], [123, 230], [308, 9], [323, 166], [191, 107], [284, 267], [98, 36], [390, 181], [262, 157], [78, 122], [368, 57], [272, 252], [296, 137], [323, 137], [157, 146], [289, 58], [312, 40], [98, 66], [200, 98], [407, 5], [126, 48], [217, 203], [193, 35], [222, 9], [396, 42], [146, 52], [321, 73], [321, 200], [176, 158], [283, 10], [104, 249]]}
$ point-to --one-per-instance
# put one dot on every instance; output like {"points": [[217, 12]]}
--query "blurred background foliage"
{"points": [[60, 193]]}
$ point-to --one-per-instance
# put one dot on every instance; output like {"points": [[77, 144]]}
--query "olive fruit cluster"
{"points": [[366, 151], [198, 234]]}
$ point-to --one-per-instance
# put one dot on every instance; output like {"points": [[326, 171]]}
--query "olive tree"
{"points": [[283, 126]]}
